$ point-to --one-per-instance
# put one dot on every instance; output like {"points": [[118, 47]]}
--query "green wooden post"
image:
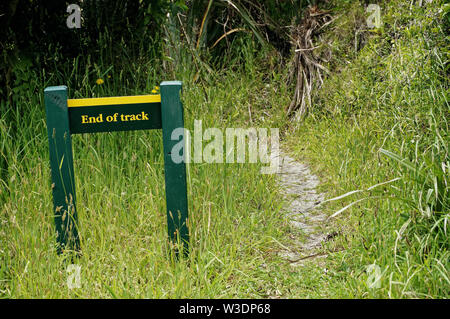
{"points": [[175, 173], [61, 164]]}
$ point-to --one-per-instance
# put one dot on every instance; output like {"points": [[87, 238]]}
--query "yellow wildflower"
{"points": [[99, 81], [153, 91]]}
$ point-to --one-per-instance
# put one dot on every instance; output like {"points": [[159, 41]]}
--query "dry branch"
{"points": [[306, 69]]}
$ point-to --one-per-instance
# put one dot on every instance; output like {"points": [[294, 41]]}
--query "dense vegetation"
{"points": [[372, 121], [384, 117]]}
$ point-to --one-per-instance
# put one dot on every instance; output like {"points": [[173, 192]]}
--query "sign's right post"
{"points": [[175, 173]]}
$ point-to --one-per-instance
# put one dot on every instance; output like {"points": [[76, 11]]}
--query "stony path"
{"points": [[299, 189]]}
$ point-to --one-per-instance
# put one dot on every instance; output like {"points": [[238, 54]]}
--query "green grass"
{"points": [[234, 211], [391, 95], [385, 116]]}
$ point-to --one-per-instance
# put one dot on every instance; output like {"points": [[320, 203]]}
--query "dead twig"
{"points": [[317, 255], [306, 68]]}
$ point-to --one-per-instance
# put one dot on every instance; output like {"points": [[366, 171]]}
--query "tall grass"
{"points": [[385, 118], [235, 219]]}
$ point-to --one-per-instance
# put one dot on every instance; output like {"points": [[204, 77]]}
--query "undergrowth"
{"points": [[377, 133], [383, 119]]}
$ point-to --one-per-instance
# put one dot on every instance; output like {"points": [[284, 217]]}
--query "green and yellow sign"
{"points": [[115, 114], [66, 117]]}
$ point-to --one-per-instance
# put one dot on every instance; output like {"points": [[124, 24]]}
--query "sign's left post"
{"points": [[61, 164]]}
